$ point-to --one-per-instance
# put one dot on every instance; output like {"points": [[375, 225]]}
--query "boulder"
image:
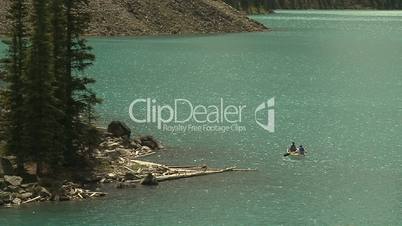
{"points": [[13, 180], [5, 196], [111, 176], [39, 190], [150, 142], [6, 168], [17, 201], [25, 195], [149, 180], [119, 129]]}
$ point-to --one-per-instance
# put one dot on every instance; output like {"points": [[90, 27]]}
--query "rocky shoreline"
{"points": [[107, 159], [159, 17], [116, 160]]}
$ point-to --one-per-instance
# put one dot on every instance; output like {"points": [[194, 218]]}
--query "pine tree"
{"points": [[89, 135], [41, 126], [78, 58], [49, 108], [14, 70], [58, 31]]}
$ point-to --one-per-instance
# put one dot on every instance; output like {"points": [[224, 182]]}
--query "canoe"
{"points": [[293, 154]]}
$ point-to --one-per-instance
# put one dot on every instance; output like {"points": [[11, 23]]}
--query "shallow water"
{"points": [[336, 79]]}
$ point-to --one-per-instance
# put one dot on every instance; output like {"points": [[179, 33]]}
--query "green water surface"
{"points": [[337, 81]]}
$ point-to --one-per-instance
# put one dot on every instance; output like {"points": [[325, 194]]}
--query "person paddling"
{"points": [[292, 147], [301, 150]]}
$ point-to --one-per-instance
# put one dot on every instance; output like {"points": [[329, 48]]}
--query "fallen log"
{"points": [[193, 174], [144, 155], [92, 194], [129, 169], [31, 200], [150, 164]]}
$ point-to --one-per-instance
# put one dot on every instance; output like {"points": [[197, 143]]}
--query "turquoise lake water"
{"points": [[336, 77]]}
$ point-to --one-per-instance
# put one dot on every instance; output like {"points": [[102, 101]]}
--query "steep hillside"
{"points": [[159, 17]]}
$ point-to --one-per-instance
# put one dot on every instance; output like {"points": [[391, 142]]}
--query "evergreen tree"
{"points": [[41, 125], [49, 108], [89, 135], [14, 70], [78, 58], [58, 29]]}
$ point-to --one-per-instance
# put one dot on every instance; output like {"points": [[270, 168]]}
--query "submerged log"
{"points": [[192, 174]]}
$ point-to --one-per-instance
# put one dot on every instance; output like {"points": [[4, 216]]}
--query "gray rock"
{"points": [[17, 201], [119, 129], [150, 142], [13, 180], [26, 185], [5, 195], [1, 202], [25, 195], [39, 190], [111, 176], [149, 180], [6, 168]]}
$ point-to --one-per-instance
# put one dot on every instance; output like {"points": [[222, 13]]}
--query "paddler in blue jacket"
{"points": [[301, 150]]}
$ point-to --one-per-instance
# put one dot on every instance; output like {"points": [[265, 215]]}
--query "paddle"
{"points": [[286, 154]]}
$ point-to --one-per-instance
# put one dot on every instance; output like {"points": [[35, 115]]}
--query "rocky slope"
{"points": [[159, 17]]}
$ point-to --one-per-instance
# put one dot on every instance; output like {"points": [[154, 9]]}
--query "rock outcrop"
{"points": [[119, 129], [149, 180], [150, 142], [159, 17], [13, 180]]}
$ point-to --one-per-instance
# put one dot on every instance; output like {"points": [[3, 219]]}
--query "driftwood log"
{"points": [[177, 172]]}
